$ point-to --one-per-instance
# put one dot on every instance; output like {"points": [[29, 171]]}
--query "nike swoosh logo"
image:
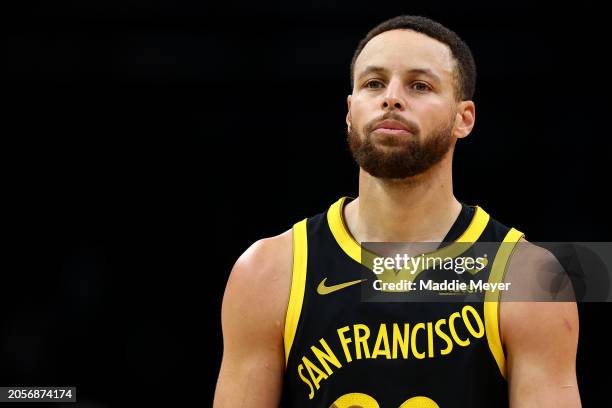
{"points": [[326, 290]]}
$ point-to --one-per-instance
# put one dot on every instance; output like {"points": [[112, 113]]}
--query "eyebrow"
{"points": [[423, 71]]}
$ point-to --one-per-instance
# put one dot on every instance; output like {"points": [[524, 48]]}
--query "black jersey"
{"points": [[342, 351]]}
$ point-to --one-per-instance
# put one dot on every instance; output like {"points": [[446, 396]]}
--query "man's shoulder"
{"points": [[541, 288], [268, 258], [528, 256], [258, 286]]}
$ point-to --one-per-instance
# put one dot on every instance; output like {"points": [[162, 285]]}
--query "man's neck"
{"points": [[419, 209]]}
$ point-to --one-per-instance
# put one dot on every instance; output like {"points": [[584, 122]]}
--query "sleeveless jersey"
{"points": [[342, 351]]}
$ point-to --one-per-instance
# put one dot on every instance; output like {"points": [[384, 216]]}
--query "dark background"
{"points": [[148, 144]]}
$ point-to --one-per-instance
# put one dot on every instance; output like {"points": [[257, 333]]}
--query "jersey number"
{"points": [[359, 400]]}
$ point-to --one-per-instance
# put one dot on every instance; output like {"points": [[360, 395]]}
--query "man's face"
{"points": [[405, 79]]}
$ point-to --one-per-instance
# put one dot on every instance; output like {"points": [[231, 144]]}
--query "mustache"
{"points": [[411, 126]]}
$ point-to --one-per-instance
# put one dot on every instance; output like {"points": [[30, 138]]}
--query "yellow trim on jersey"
{"points": [[343, 237], [491, 303], [298, 284]]}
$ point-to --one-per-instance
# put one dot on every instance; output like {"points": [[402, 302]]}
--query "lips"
{"points": [[391, 124]]}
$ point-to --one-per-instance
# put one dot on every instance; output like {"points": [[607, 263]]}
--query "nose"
{"points": [[393, 98]]}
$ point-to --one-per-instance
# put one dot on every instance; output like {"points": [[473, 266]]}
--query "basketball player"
{"points": [[296, 331]]}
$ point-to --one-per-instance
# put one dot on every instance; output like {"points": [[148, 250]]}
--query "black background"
{"points": [[148, 144]]}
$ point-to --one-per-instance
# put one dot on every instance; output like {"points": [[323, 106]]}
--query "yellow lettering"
{"points": [[430, 350], [361, 340], [415, 329], [382, 338], [451, 325], [328, 355], [311, 370], [444, 336], [481, 331], [300, 368], [400, 340], [344, 342]]}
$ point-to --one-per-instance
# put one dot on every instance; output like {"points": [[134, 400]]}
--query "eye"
{"points": [[423, 84], [374, 81]]}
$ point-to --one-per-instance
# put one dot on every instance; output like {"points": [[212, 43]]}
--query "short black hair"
{"points": [[465, 72]]}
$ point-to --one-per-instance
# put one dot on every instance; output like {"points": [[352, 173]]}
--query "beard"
{"points": [[399, 157]]}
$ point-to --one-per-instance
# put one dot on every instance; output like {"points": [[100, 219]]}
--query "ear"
{"points": [[348, 114], [464, 119]]}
